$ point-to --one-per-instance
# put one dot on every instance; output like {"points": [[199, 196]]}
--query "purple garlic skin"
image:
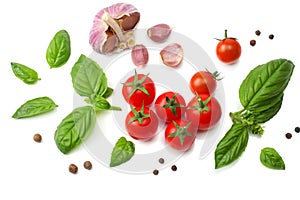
{"points": [[159, 33], [113, 28], [139, 55]]}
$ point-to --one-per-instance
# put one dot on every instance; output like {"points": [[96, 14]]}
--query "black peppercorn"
{"points": [[155, 172], [161, 161], [174, 168], [271, 36], [252, 42], [288, 135], [257, 32], [297, 129], [73, 168]]}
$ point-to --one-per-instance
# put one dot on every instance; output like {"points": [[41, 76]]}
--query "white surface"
{"points": [[30, 170]]}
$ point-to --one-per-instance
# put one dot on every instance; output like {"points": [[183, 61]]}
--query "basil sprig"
{"points": [[59, 49], [24, 73], [89, 81], [261, 95]]}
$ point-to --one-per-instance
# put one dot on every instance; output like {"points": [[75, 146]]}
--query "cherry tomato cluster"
{"points": [[183, 121]]}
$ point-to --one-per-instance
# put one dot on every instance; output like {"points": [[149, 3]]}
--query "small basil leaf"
{"points": [[24, 73], [35, 107], [88, 78], [231, 146], [122, 152], [59, 49], [265, 84], [108, 92], [270, 158], [100, 103], [75, 128]]}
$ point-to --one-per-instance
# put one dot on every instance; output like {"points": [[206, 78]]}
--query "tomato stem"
{"points": [[138, 115], [225, 35], [181, 132], [172, 104]]}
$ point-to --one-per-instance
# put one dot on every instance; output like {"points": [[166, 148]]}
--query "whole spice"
{"points": [[155, 172], [37, 137], [252, 42], [113, 28], [73, 168], [174, 168], [87, 165], [288, 135], [271, 36], [297, 129], [172, 55], [261, 95], [161, 161], [139, 55], [257, 32], [159, 33]]}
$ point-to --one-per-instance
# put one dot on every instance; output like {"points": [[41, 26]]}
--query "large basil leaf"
{"points": [[232, 145], [270, 158], [122, 152], [75, 128], [264, 85], [88, 78], [24, 73], [59, 49], [35, 107]]}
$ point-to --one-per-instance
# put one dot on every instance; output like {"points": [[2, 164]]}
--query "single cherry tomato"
{"points": [[170, 106], [204, 111], [139, 90], [204, 82], [141, 123], [228, 50], [180, 134]]}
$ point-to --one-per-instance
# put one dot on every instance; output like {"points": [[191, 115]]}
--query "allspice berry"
{"points": [[37, 137], [87, 165], [73, 168]]}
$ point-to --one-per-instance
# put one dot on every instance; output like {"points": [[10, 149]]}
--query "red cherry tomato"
{"points": [[228, 50], [170, 106], [204, 111], [180, 135], [141, 123], [204, 82], [139, 90]]}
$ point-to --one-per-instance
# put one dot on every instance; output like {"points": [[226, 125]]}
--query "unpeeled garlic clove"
{"points": [[110, 28], [172, 55], [159, 33], [139, 55]]}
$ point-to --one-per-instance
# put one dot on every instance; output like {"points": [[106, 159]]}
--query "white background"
{"points": [[29, 170]]}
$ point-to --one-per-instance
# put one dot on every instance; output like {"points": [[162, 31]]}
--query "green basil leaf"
{"points": [[108, 92], [231, 146], [35, 107], [264, 85], [24, 73], [75, 128], [122, 152], [59, 49], [270, 158], [100, 103], [88, 78]]}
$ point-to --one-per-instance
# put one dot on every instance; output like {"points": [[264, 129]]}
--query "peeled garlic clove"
{"points": [[110, 28], [139, 55], [172, 55], [159, 33]]}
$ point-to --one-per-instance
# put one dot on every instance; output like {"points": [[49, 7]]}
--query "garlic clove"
{"points": [[139, 55], [172, 55], [159, 33]]}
